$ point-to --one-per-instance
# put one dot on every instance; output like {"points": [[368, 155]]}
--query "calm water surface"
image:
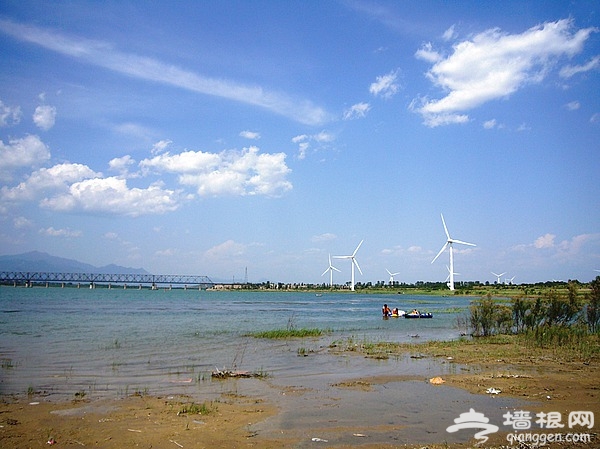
{"points": [[114, 342]]}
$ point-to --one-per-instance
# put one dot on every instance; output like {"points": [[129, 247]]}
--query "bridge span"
{"points": [[28, 279]]}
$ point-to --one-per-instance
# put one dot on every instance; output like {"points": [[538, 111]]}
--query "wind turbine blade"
{"points": [[325, 272], [445, 228], [342, 257], [441, 251], [388, 271], [356, 250], [463, 243], [356, 263], [334, 268]]}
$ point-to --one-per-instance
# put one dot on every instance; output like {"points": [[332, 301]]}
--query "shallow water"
{"points": [[115, 342]]}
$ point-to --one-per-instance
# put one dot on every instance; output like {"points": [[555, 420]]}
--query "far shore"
{"points": [[548, 377]]}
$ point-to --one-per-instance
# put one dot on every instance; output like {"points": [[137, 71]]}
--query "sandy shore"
{"points": [[549, 380]]}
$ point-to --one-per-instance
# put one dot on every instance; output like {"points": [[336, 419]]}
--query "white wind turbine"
{"points": [[330, 269], [353, 261], [448, 244], [498, 276], [392, 276]]}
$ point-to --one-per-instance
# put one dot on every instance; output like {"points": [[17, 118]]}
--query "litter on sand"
{"points": [[493, 391], [436, 381], [320, 440]]}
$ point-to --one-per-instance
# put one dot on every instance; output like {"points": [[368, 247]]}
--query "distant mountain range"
{"points": [[38, 261]]}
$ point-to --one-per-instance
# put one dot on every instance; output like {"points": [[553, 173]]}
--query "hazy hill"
{"points": [[38, 261]]}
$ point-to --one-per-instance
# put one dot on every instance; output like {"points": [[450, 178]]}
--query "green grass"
{"points": [[197, 409], [289, 333]]}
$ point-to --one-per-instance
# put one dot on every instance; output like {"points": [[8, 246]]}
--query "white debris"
{"points": [[493, 391]]}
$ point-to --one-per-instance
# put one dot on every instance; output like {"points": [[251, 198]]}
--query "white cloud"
{"points": [[22, 223], [245, 172], [225, 251], [385, 86], [113, 196], [573, 105], [9, 115], [595, 118], [493, 65], [545, 241], [327, 237], [65, 232], [103, 54], [358, 110], [160, 146], [250, 135], [427, 53], [44, 117], [305, 142], [25, 152], [121, 165], [490, 124], [570, 70], [449, 34], [47, 181]]}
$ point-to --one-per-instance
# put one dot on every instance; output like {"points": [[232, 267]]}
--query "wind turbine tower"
{"points": [[330, 269], [392, 276], [449, 242], [498, 276], [353, 261]]}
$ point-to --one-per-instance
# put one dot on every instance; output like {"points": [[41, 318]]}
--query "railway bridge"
{"points": [[154, 281]]}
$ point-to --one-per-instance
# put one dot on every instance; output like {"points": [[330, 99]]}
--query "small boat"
{"points": [[418, 315], [399, 314]]}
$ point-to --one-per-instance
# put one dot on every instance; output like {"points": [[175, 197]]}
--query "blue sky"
{"points": [[207, 137]]}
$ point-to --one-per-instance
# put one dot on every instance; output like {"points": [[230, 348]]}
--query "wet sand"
{"points": [[341, 413]]}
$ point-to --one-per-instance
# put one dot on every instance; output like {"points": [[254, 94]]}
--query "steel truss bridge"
{"points": [[152, 280]]}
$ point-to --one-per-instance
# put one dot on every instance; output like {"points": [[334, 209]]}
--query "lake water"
{"points": [[108, 343]]}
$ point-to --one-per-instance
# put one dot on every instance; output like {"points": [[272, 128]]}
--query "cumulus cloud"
{"points": [[47, 181], [232, 172], [25, 152], [385, 86], [252, 135], [490, 124], [121, 165], [44, 117], [427, 53], [113, 196], [9, 115], [358, 110], [225, 251], [494, 65], [545, 241]]}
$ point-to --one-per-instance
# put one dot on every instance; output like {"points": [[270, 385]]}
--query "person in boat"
{"points": [[395, 311], [385, 310], [415, 312]]}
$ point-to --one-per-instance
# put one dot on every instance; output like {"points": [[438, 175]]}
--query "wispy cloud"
{"points": [[385, 86], [493, 65], [104, 54], [358, 110]]}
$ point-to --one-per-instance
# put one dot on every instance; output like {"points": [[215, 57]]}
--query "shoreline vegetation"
{"points": [[543, 348]]}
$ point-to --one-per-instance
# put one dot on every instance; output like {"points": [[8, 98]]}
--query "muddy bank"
{"points": [[368, 411]]}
